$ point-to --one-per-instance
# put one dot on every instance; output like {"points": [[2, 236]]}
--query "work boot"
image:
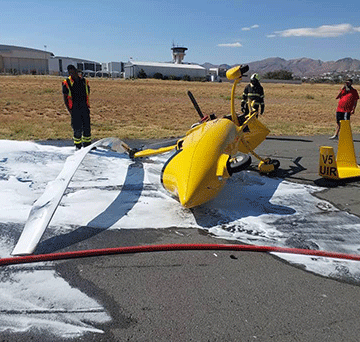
{"points": [[334, 137], [77, 147]]}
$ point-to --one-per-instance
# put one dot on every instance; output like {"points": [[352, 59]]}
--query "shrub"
{"points": [[141, 74], [158, 76], [279, 75]]}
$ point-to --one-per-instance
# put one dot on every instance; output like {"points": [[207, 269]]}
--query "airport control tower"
{"points": [[178, 53]]}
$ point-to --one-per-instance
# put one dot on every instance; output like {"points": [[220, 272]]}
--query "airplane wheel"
{"points": [[238, 163], [276, 163]]}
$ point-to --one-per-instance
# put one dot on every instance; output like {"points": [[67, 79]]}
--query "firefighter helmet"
{"points": [[255, 77]]}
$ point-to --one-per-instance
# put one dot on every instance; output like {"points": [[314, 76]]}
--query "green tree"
{"points": [[158, 76], [142, 74], [279, 75]]}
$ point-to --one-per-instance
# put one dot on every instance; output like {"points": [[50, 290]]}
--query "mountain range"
{"points": [[299, 67]]}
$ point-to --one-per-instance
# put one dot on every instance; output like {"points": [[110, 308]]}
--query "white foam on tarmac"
{"points": [[111, 191]]}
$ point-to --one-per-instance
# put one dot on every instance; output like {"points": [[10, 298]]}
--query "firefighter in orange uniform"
{"points": [[76, 92]]}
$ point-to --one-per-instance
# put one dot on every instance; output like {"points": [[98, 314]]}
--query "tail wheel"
{"points": [[238, 163], [276, 163], [268, 165]]}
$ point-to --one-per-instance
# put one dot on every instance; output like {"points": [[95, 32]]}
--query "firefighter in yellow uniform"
{"points": [[76, 92], [253, 95]]}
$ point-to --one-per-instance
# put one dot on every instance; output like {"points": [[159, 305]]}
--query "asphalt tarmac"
{"points": [[218, 295]]}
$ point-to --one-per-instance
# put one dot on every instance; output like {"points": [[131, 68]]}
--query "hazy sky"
{"points": [[215, 31]]}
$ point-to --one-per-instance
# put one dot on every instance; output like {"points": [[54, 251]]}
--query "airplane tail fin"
{"points": [[346, 156], [327, 163], [344, 165]]}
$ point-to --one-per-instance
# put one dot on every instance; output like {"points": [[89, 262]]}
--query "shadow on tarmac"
{"points": [[335, 183], [288, 139], [291, 171]]}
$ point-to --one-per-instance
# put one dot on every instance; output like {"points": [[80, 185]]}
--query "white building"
{"points": [[22, 60], [132, 69], [58, 65], [113, 69], [176, 69], [214, 74]]}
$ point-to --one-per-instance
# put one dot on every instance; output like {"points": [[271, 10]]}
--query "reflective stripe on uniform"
{"points": [[77, 140], [254, 95], [86, 139], [69, 95]]}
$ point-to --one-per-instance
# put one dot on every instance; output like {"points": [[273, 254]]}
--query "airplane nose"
{"points": [[197, 172], [200, 179], [190, 194]]}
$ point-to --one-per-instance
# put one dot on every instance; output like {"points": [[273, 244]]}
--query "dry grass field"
{"points": [[32, 108]]}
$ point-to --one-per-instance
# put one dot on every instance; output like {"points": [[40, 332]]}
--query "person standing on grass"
{"points": [[253, 95], [76, 91], [348, 98]]}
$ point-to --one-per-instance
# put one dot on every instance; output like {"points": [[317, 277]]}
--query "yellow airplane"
{"points": [[211, 152]]}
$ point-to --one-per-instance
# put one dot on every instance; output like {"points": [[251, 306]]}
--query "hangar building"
{"points": [[174, 69], [133, 68], [21, 60]]}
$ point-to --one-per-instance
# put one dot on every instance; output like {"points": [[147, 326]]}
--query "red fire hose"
{"points": [[170, 247]]}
